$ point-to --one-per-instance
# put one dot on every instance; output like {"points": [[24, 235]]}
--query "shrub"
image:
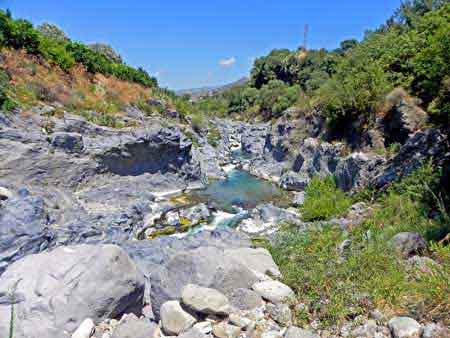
{"points": [[324, 200], [213, 136], [57, 53]]}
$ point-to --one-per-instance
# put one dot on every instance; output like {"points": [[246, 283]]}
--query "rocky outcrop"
{"points": [[403, 117], [420, 147], [54, 292]]}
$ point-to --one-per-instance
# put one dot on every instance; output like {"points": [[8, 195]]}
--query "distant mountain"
{"points": [[197, 93]]}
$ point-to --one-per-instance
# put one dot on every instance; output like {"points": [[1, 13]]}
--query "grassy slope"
{"points": [[372, 275]]}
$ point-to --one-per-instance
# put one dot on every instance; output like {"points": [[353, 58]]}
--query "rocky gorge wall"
{"points": [[79, 203]]}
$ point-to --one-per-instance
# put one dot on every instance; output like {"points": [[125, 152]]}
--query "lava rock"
{"points": [[174, 320], [205, 300], [245, 299], [69, 142], [296, 332], [404, 327], [259, 260], [55, 291], [85, 330], [274, 291], [134, 327]]}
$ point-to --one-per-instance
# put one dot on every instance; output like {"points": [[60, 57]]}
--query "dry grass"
{"points": [[33, 80]]}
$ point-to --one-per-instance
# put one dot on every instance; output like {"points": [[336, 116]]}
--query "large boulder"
{"points": [[259, 260], [404, 327], [205, 300], [134, 327], [174, 319], [296, 332], [53, 292], [204, 266], [274, 291]]}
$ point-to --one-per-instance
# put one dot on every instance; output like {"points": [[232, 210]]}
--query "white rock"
{"points": [[224, 330], [296, 332], [85, 330], [205, 300], [174, 319], [271, 334], [5, 193], [240, 321], [259, 260], [204, 327], [274, 291], [404, 327]]}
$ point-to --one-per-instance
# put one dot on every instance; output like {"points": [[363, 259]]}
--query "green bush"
{"points": [[57, 53], [324, 200]]}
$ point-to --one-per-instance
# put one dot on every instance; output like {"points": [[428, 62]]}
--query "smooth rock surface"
{"points": [[404, 327], [205, 300], [174, 319], [274, 291], [133, 327], [85, 330], [245, 299], [259, 260], [296, 332], [55, 291], [224, 330]]}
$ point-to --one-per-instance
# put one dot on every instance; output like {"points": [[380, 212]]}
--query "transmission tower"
{"points": [[305, 37]]}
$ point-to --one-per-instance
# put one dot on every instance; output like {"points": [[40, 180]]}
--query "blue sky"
{"points": [[189, 44]]}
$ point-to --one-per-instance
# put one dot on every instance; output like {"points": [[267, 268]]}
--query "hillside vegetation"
{"points": [[411, 50]]}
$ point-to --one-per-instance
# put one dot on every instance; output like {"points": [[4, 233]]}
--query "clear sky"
{"points": [[193, 43]]}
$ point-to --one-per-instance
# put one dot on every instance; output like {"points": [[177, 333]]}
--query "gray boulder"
{"points": [[433, 330], [274, 291], [281, 313], [259, 260], [409, 243], [245, 299], [193, 333], [174, 319], [204, 266], [404, 327], [355, 170], [224, 330], [85, 330], [296, 332], [205, 300], [53, 292], [134, 327]]}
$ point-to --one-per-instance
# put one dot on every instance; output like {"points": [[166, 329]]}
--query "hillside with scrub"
{"points": [[309, 200]]}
